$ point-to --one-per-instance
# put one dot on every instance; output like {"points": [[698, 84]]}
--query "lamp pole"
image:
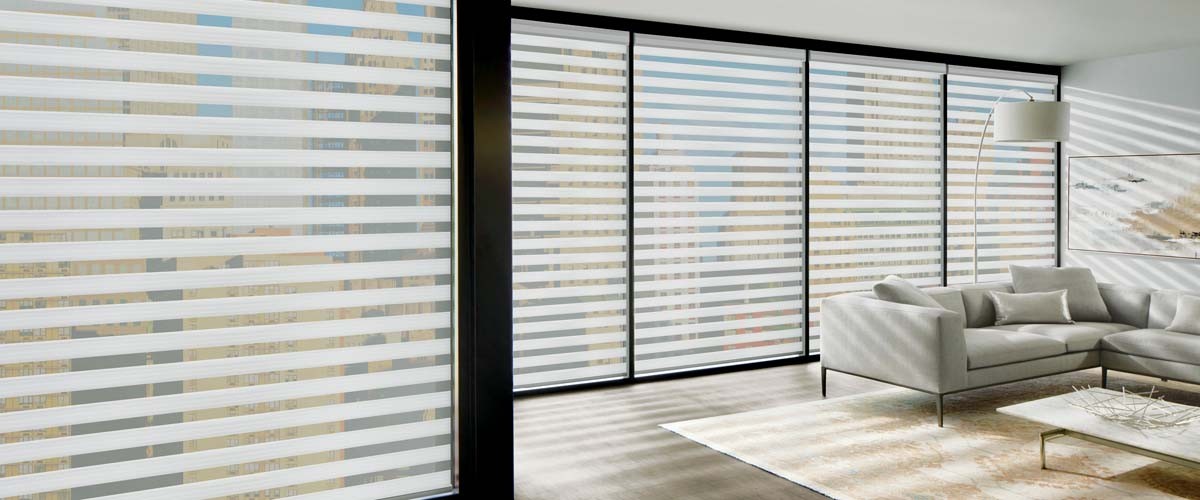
{"points": [[975, 185]]}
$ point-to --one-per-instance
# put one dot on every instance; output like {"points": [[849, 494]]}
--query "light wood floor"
{"points": [[606, 443]]}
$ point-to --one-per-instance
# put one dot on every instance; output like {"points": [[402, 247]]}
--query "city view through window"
{"points": [[226, 258], [700, 261], [717, 203]]}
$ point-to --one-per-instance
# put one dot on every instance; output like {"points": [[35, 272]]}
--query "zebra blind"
{"points": [[1017, 187], [875, 179], [226, 249], [569, 204], [717, 203]]}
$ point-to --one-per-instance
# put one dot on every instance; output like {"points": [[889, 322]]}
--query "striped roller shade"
{"points": [[569, 204], [226, 257], [1017, 217], [718, 210], [876, 175]]}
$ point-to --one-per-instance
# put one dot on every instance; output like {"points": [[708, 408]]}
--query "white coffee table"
{"points": [[1178, 445]]}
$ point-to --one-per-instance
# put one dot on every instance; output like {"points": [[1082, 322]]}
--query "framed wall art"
{"points": [[1135, 204]]}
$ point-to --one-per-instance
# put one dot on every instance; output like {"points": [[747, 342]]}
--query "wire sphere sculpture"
{"points": [[1140, 410]]}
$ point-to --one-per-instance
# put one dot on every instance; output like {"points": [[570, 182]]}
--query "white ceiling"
{"points": [[1056, 32]]}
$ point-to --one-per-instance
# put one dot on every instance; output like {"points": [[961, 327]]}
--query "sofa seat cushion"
{"points": [[1157, 344], [1081, 336], [990, 347]]}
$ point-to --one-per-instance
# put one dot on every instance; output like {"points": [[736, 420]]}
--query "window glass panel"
{"points": [[717, 203], [569, 204], [875, 181], [1017, 214], [226, 257], [717, 195]]}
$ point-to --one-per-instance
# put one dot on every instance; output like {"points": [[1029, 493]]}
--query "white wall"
{"points": [[1145, 103]]}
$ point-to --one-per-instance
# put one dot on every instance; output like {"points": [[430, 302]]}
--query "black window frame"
{"points": [[484, 407], [644, 27]]}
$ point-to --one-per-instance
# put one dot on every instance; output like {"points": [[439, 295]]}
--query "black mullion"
{"points": [[804, 192], [945, 179], [1058, 177], [630, 354], [484, 341]]}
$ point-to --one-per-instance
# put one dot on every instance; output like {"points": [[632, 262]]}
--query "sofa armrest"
{"points": [[918, 347]]}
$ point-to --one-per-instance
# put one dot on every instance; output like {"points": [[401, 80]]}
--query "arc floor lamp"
{"points": [[1017, 122]]}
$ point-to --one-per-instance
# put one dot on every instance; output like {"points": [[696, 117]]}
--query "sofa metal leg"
{"points": [[823, 375], [939, 409], [1103, 378]]}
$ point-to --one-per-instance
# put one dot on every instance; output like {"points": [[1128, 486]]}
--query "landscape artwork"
{"points": [[1137, 204]]}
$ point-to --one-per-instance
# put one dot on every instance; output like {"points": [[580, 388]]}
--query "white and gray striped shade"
{"points": [[226, 248], [718, 208], [718, 194], [1017, 218], [875, 180], [569, 203]]}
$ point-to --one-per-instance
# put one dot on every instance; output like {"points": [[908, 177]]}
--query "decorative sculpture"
{"points": [[1140, 410]]}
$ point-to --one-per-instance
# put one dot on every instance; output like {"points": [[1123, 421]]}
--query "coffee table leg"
{"points": [[1047, 436]]}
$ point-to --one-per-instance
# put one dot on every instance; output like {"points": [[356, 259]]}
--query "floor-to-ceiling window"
{"points": [[226, 249], [683, 204], [569, 204], [718, 158], [1017, 218], [875, 178]]}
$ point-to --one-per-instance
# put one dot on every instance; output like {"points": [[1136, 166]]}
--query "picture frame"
{"points": [[1143, 204]]}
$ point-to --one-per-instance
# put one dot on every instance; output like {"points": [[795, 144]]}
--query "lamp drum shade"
{"points": [[1033, 121]]}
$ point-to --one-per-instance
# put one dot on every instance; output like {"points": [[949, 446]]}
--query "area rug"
{"points": [[887, 445]]}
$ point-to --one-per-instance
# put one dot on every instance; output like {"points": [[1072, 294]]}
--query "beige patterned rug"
{"points": [[887, 445]]}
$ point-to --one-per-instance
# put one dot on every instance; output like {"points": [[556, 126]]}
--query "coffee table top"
{"points": [[1056, 411]]}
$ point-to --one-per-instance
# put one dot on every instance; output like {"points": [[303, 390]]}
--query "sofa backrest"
{"points": [[1162, 307], [1129, 305], [950, 298], [979, 310]]}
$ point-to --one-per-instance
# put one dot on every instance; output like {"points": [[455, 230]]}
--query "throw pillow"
{"points": [[1043, 307], [1187, 315], [1084, 294], [899, 290]]}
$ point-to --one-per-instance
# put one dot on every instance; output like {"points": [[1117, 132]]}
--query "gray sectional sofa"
{"points": [[959, 348]]}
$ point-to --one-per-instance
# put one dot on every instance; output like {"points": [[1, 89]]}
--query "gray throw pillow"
{"points": [[899, 290], [1187, 315], [1024, 308], [1084, 294]]}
